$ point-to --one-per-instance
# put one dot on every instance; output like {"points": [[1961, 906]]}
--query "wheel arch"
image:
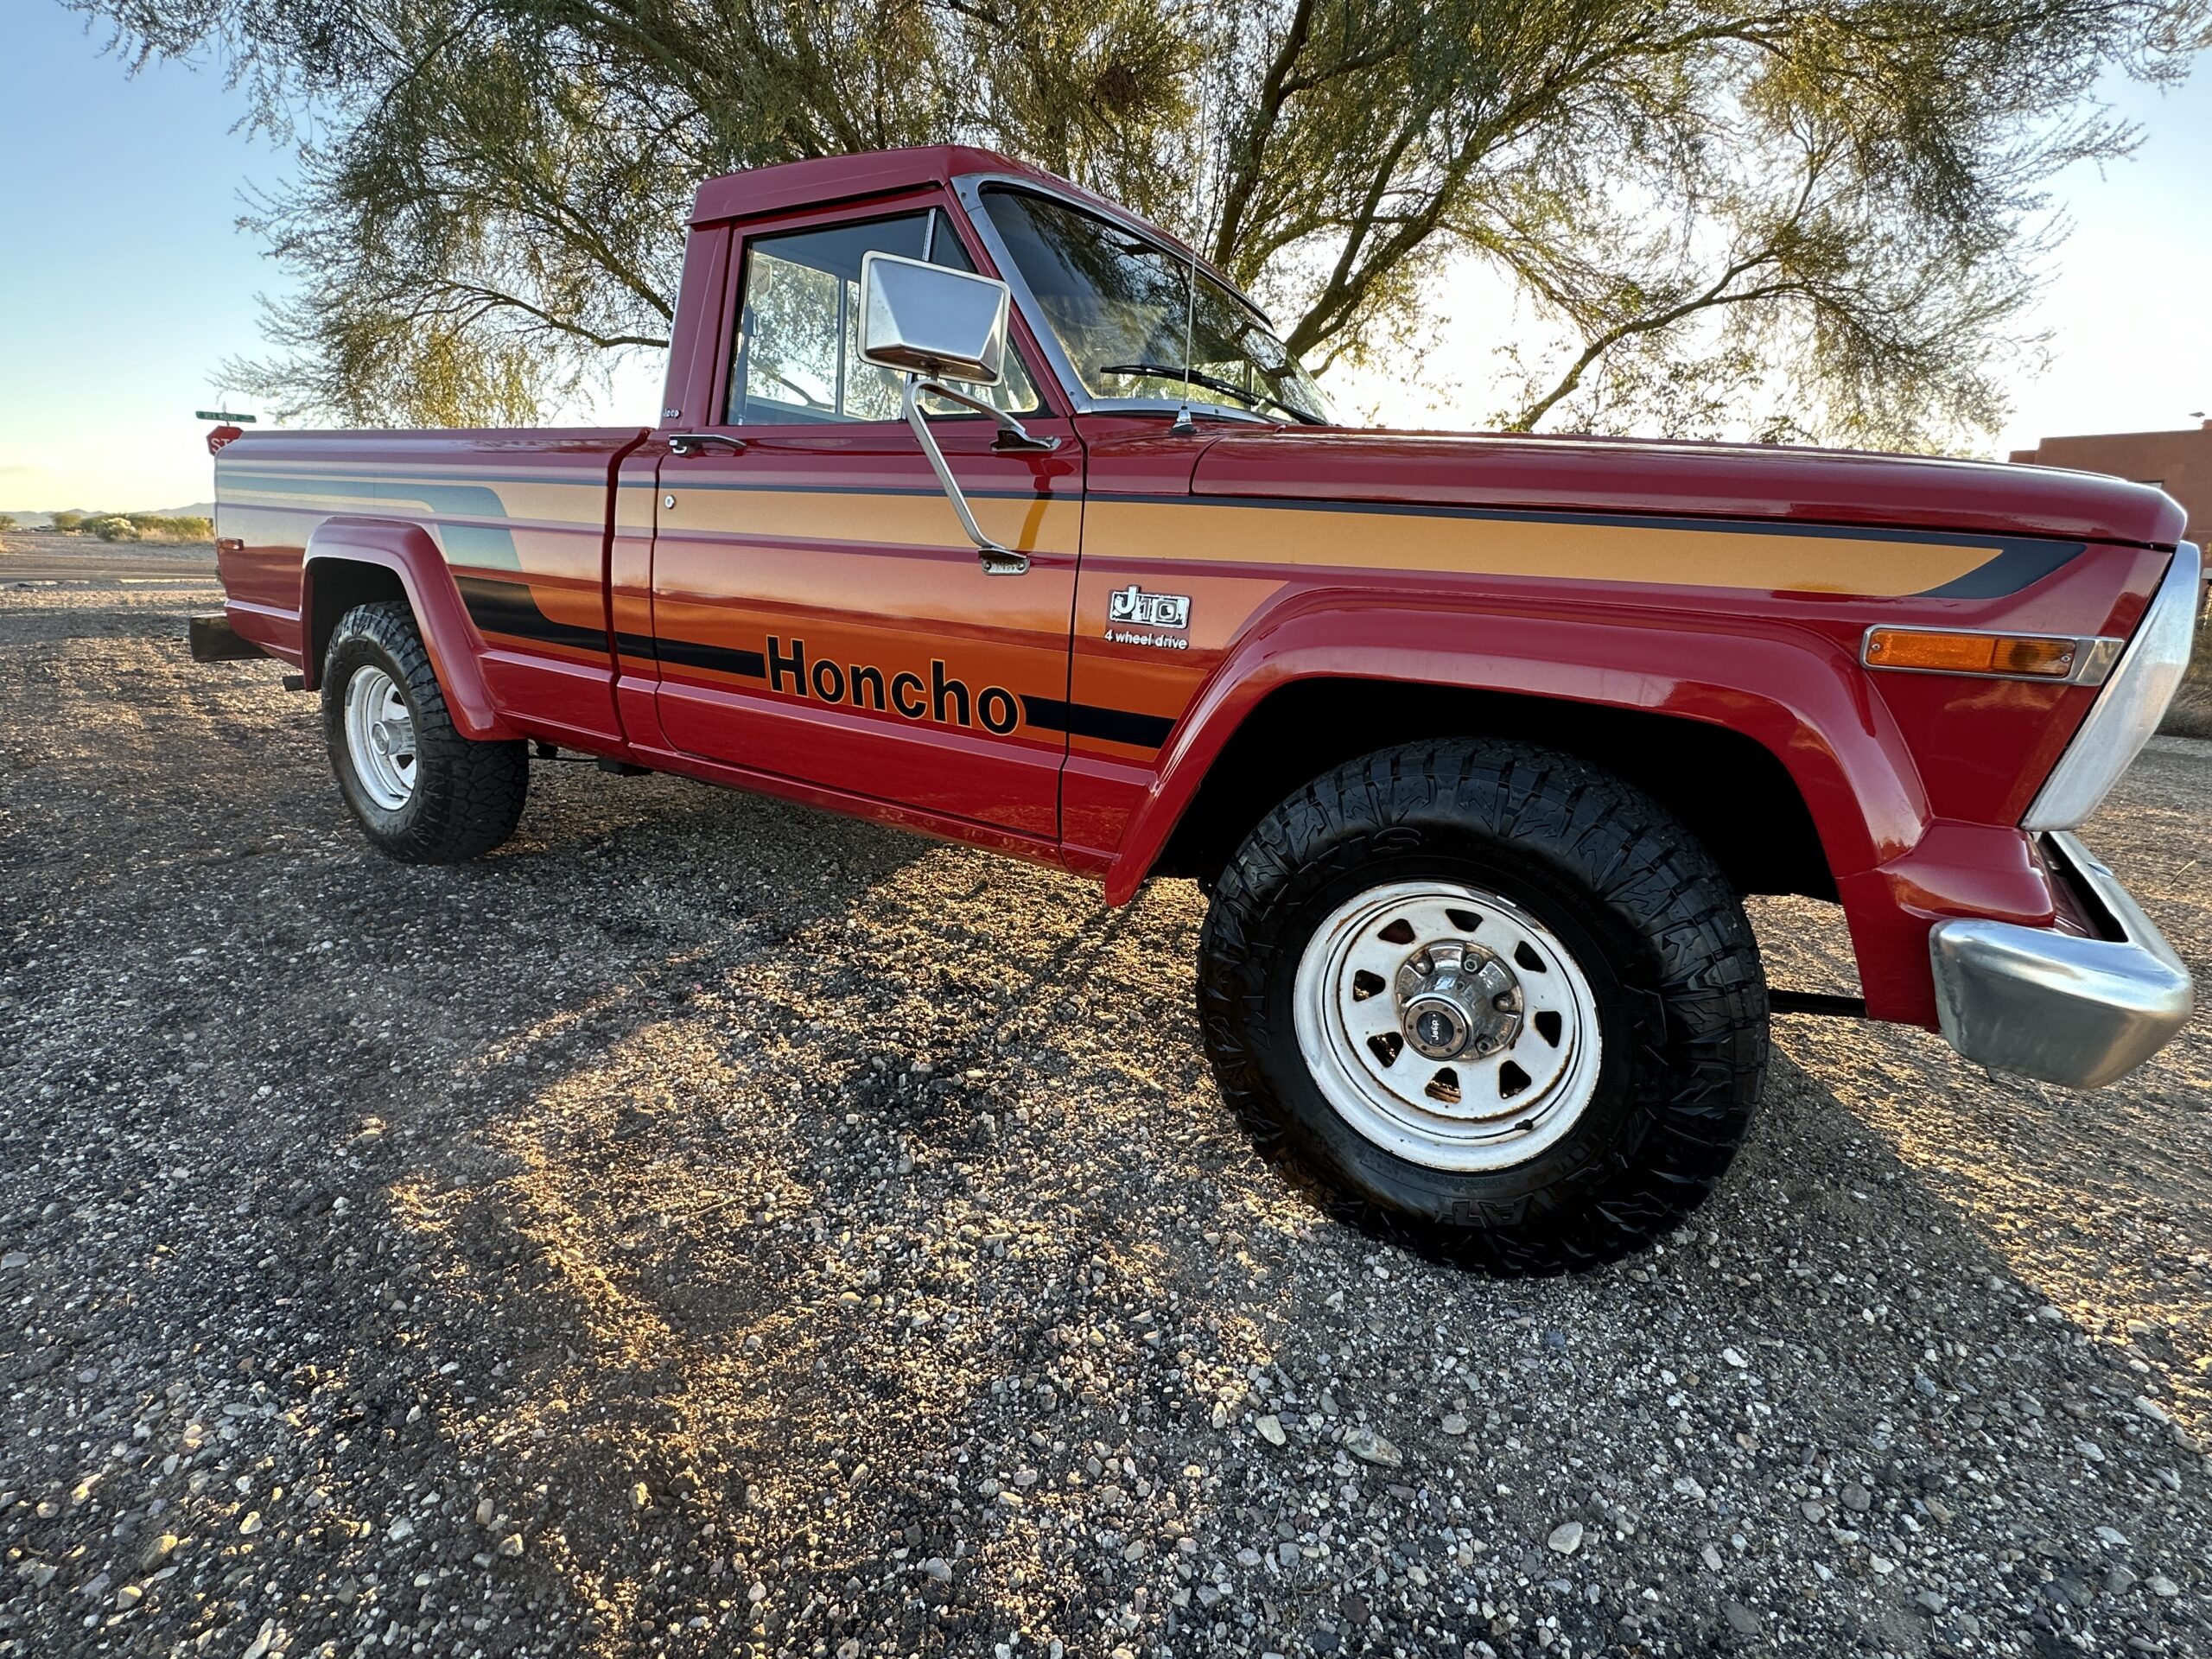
{"points": [[1763, 836], [351, 561], [1781, 713]]}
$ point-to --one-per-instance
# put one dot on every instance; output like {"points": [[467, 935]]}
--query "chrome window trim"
{"points": [[970, 187], [2094, 654]]}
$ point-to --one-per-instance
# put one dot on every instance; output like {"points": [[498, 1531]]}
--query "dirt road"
{"points": [[39, 559], [706, 1227]]}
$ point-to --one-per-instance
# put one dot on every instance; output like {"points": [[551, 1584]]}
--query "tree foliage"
{"points": [[1813, 216]]}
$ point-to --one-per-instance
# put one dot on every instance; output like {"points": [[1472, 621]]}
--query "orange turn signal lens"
{"points": [[1941, 651]]}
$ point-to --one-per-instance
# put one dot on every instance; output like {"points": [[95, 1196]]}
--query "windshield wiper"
{"points": [[1211, 383]]}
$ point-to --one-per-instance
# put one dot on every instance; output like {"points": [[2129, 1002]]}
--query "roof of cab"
{"points": [[830, 179], [841, 178]]}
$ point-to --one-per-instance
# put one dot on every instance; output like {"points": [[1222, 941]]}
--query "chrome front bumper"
{"points": [[2056, 1006]]}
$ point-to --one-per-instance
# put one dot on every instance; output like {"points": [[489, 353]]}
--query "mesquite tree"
{"points": [[1786, 217]]}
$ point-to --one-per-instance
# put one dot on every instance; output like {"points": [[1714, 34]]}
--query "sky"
{"points": [[124, 282]]}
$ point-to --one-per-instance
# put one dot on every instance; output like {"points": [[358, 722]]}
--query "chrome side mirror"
{"points": [[930, 319], [928, 322]]}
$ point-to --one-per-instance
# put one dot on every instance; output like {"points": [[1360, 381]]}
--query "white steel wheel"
{"points": [[1446, 1025], [380, 738]]}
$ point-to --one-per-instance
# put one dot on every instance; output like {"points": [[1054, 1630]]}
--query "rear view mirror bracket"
{"points": [[925, 322], [997, 561]]}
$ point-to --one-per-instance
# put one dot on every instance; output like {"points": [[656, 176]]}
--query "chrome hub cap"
{"points": [[380, 738], [1446, 1025], [1454, 997]]}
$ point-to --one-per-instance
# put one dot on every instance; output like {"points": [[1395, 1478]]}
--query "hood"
{"points": [[1513, 473]]}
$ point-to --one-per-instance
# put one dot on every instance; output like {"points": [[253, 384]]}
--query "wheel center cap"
{"points": [[1455, 998]]}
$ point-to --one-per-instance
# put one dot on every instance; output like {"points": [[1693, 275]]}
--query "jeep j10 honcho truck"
{"points": [[981, 507]]}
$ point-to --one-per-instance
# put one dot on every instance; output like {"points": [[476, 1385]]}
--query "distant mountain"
{"points": [[41, 520]]}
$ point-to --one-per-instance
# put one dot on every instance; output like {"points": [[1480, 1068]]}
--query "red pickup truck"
{"points": [[979, 506]]}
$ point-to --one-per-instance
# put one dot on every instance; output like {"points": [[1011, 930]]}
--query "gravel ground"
{"points": [[709, 1228]]}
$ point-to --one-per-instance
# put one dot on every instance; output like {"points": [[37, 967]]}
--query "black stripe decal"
{"points": [[1087, 719], [510, 608], [690, 653], [2022, 564]]}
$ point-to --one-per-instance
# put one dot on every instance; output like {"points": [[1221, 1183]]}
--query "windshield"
{"points": [[1116, 303]]}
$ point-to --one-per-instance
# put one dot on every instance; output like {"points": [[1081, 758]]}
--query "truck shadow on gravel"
{"points": [[709, 1227]]}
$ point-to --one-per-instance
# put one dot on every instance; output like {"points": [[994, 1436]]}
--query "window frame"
{"points": [[971, 188], [1053, 398]]}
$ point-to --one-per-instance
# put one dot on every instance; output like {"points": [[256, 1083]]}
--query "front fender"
{"points": [[455, 646], [1798, 694]]}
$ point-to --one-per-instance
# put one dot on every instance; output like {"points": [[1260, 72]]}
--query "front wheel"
{"points": [[1499, 1004], [422, 792]]}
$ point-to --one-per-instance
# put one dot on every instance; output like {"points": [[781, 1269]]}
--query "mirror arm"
{"points": [[1013, 436], [997, 561]]}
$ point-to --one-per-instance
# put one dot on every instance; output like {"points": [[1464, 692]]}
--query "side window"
{"points": [[799, 334]]}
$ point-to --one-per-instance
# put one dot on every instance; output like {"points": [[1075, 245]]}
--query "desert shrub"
{"points": [[68, 521], [7, 521], [111, 527], [190, 528]]}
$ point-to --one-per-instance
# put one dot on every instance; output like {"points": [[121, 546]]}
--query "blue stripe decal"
{"points": [[491, 546]]}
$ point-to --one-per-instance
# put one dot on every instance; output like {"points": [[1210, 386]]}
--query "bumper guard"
{"points": [[2055, 1006]]}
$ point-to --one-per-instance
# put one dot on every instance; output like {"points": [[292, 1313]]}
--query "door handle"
{"points": [[693, 443]]}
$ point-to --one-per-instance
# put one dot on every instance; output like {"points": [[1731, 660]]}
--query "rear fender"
{"points": [[1798, 695], [455, 646]]}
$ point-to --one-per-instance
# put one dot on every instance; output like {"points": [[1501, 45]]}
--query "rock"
{"points": [[1566, 1538], [1741, 1619], [511, 1546], [1711, 1557], [251, 1524], [1368, 1447], [1936, 1507], [1270, 1429], [2163, 1585], [400, 1530], [129, 1597], [13, 1260], [1857, 1499], [1454, 1423], [641, 1499], [2118, 1581], [938, 1569], [259, 1645], [1734, 1358], [1929, 1602]]}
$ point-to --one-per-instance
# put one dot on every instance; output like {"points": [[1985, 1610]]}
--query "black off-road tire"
{"points": [[1653, 927], [467, 796]]}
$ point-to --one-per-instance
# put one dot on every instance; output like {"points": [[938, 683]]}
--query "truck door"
{"points": [[817, 613]]}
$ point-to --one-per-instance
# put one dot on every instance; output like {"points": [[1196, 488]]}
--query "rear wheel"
{"points": [[421, 791], [1500, 1005]]}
